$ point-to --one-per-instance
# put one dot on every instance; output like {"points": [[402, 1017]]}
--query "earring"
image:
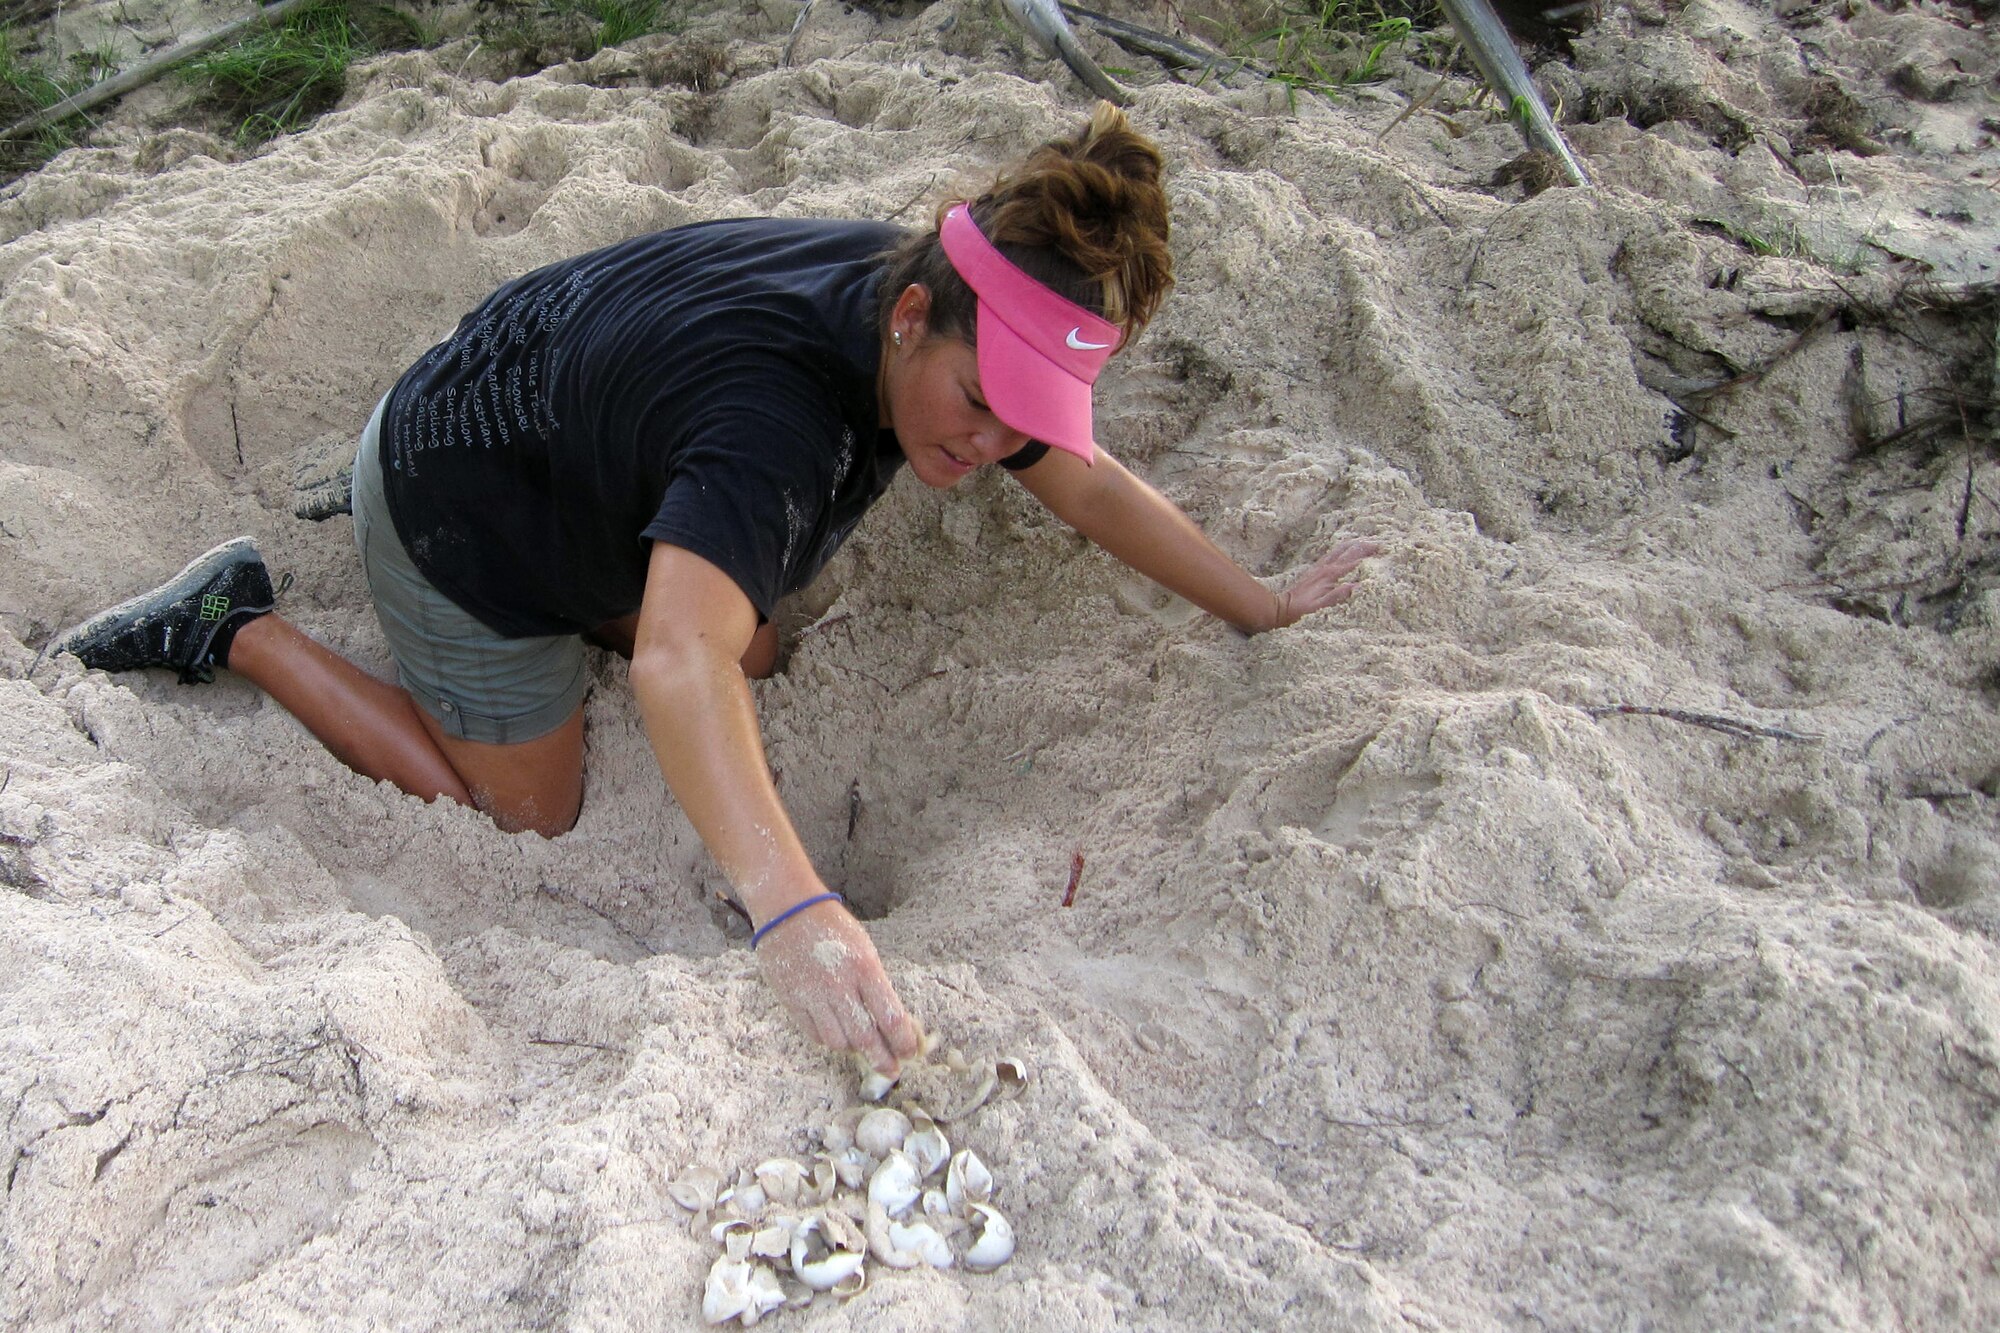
{"points": [[896, 336]]}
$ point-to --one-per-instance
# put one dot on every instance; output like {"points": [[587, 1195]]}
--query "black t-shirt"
{"points": [[712, 386]]}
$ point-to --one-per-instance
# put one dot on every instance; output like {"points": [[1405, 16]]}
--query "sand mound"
{"points": [[1408, 983]]}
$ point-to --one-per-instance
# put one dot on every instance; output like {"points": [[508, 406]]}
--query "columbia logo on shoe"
{"points": [[186, 624]]}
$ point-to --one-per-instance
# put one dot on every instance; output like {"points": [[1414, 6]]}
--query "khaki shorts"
{"points": [[479, 685]]}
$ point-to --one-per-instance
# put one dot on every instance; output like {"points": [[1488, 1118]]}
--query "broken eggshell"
{"points": [[873, 1086], [781, 1179], [896, 1184], [843, 1230], [839, 1132], [850, 1166], [820, 1186], [967, 1181], [820, 1221], [927, 1147], [773, 1241], [879, 1245], [905, 1245], [978, 1097], [734, 1236], [817, 1261], [995, 1243], [881, 1131], [922, 1239], [746, 1196], [739, 1289], [696, 1188]]}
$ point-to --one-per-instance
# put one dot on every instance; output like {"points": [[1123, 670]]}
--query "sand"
{"points": [[1404, 986]]}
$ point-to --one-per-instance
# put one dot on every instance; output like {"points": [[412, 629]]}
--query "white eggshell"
{"points": [[922, 1240], [881, 1131], [995, 1245], [967, 1181], [895, 1184]]}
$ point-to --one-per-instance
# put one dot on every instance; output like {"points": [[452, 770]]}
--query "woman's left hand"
{"points": [[1325, 584]]}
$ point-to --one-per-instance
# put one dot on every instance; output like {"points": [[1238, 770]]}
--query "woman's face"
{"points": [[931, 398]]}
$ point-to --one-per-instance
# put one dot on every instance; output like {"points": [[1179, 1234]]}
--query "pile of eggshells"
{"points": [[885, 1184]]}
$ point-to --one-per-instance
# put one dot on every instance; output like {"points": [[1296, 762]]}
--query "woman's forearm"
{"points": [[703, 727], [1151, 534], [702, 723], [1148, 532]]}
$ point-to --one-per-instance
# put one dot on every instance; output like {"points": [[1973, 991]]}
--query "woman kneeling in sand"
{"points": [[650, 445]]}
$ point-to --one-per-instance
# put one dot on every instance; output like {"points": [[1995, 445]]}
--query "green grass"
{"points": [[398, 27], [27, 86], [541, 33], [1323, 46], [268, 84], [279, 78], [1784, 238], [619, 21], [95, 66]]}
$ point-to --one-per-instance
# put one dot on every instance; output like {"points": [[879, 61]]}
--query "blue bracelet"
{"points": [[790, 912]]}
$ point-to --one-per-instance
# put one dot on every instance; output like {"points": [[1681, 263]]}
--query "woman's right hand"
{"points": [[694, 626], [824, 968]]}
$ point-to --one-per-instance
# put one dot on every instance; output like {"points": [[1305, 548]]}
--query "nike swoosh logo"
{"points": [[1082, 346]]}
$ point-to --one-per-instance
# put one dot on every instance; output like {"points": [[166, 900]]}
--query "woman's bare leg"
{"points": [[760, 659], [377, 730], [373, 727], [534, 786]]}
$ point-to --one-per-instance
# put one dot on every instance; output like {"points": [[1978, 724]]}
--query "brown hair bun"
{"points": [[1083, 215]]}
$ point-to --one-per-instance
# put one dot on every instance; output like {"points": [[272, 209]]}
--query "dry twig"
{"points": [[1713, 721], [1075, 874], [583, 1045]]}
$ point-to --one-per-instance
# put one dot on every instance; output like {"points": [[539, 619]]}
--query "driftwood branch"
{"points": [[1045, 24], [146, 71], [1479, 29], [792, 42], [1713, 721], [1173, 52], [1499, 62]]}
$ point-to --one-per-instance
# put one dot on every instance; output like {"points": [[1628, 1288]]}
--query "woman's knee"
{"points": [[533, 786], [533, 814], [760, 659]]}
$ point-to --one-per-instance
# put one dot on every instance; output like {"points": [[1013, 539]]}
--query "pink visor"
{"points": [[1038, 353]]}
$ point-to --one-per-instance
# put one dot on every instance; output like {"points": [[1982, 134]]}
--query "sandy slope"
{"points": [[1400, 990]]}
